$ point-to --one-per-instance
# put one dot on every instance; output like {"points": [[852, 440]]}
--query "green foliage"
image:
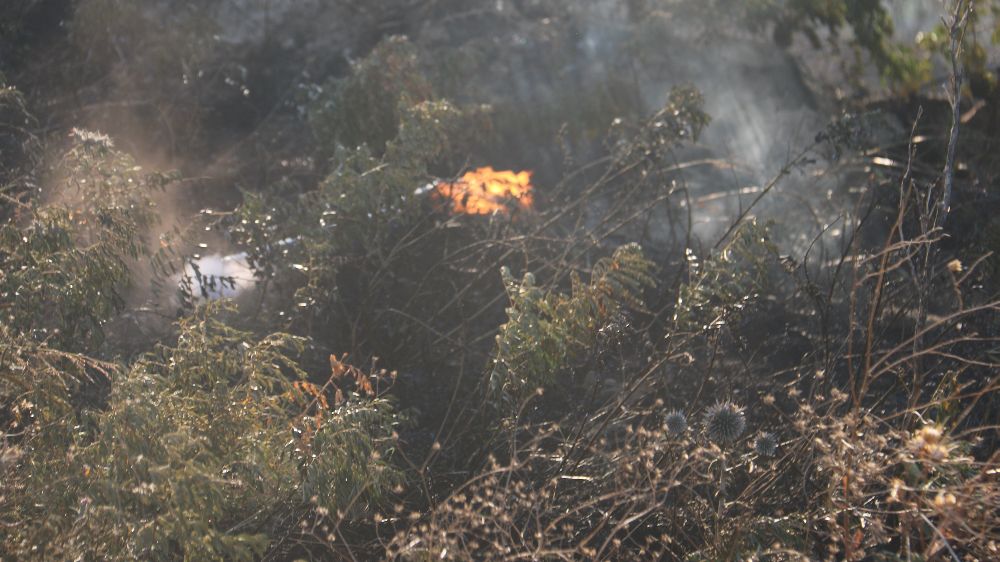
{"points": [[66, 266], [726, 282], [869, 22], [165, 41], [63, 267], [366, 108], [548, 332], [681, 119], [376, 168], [195, 456], [903, 65], [866, 25], [36, 381], [350, 232], [366, 192], [199, 451], [349, 470], [135, 56], [20, 149], [984, 22], [216, 445]]}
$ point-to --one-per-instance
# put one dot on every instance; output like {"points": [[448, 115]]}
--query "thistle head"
{"points": [[766, 444], [676, 422], [724, 422]]}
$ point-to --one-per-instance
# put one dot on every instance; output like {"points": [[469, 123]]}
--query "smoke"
{"points": [[764, 107], [233, 267], [911, 17], [222, 275]]}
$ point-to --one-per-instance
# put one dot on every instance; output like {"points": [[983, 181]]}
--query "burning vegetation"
{"points": [[701, 346], [484, 191]]}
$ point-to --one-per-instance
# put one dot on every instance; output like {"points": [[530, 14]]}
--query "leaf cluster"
{"points": [[366, 107], [67, 261], [548, 332], [197, 456], [722, 285]]}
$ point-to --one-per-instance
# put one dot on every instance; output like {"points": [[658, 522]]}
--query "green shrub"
{"points": [[722, 285], [548, 332], [196, 456], [353, 246], [66, 267], [167, 42], [20, 150], [198, 449], [366, 107]]}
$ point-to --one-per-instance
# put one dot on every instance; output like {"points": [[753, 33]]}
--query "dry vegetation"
{"points": [[589, 374]]}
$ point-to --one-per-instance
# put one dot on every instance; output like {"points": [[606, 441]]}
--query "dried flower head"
{"points": [[676, 422], [930, 442], [766, 444], [724, 422], [945, 500]]}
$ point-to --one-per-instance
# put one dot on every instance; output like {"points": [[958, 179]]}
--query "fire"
{"points": [[485, 190]]}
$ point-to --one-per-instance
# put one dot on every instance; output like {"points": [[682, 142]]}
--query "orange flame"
{"points": [[485, 190]]}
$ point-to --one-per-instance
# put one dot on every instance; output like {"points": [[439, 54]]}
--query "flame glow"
{"points": [[484, 190]]}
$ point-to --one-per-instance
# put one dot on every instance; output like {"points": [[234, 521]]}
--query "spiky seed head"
{"points": [[766, 444], [676, 422], [724, 422]]}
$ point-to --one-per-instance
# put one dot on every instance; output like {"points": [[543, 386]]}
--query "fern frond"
{"points": [[623, 276], [548, 333]]}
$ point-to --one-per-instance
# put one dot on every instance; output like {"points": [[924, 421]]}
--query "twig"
{"points": [[957, 28], [940, 536], [763, 192]]}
